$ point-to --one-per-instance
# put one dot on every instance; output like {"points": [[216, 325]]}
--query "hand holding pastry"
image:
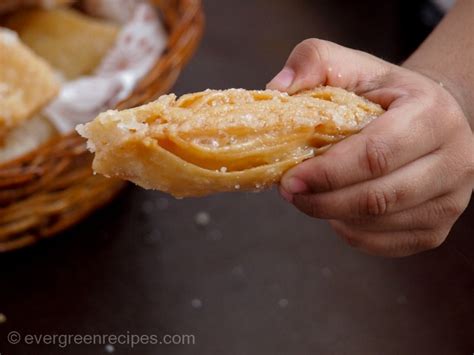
{"points": [[222, 140], [398, 186]]}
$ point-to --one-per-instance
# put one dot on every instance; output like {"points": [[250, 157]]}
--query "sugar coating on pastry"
{"points": [[216, 141], [71, 42], [27, 82]]}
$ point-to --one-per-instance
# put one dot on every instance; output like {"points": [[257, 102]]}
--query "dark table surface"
{"points": [[260, 278]]}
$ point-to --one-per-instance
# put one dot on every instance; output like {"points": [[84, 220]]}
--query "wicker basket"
{"points": [[52, 188]]}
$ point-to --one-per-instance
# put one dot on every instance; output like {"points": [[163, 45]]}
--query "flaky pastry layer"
{"points": [[71, 42], [216, 141], [27, 82]]}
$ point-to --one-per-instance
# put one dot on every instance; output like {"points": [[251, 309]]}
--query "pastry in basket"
{"points": [[12, 5], [71, 42], [27, 82], [216, 141], [26, 138]]}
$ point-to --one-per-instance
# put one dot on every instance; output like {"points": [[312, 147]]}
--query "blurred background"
{"points": [[246, 273]]}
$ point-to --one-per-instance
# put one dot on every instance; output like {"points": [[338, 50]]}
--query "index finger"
{"points": [[316, 62]]}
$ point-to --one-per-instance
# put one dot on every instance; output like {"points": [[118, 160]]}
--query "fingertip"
{"points": [[294, 185], [283, 80]]}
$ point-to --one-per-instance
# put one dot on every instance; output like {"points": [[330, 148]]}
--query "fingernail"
{"points": [[294, 186], [283, 79]]}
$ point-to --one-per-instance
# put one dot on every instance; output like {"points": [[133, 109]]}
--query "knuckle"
{"points": [[312, 48], [313, 43], [324, 178], [450, 208], [328, 179], [378, 155], [458, 165], [377, 202], [460, 162], [430, 240]]}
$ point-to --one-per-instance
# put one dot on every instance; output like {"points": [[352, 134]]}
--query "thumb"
{"points": [[316, 62]]}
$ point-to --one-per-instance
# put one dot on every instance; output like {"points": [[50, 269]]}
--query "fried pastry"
{"points": [[71, 42], [216, 141], [26, 138], [27, 82]]}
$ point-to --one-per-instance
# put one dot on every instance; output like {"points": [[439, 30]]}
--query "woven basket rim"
{"points": [[51, 188], [193, 11]]}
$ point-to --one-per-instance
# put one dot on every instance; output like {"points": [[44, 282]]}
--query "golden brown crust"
{"points": [[71, 42], [27, 82], [216, 141]]}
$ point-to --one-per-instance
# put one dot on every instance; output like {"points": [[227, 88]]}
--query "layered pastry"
{"points": [[27, 82], [216, 141], [26, 138], [73, 43]]}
